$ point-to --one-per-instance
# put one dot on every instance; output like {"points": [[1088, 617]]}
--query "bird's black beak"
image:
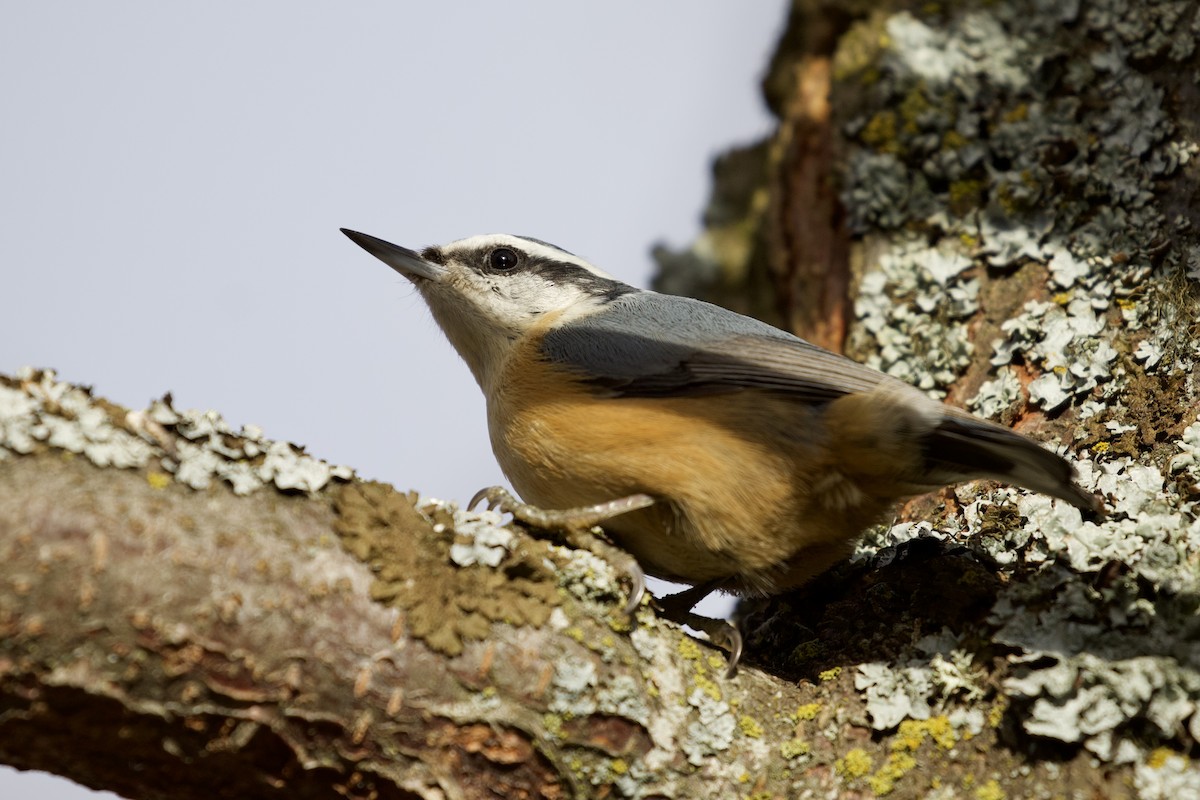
{"points": [[407, 262]]}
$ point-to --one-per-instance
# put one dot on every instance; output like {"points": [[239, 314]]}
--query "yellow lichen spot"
{"points": [[896, 767], [489, 691], [909, 736], [708, 686], [744, 777], [1062, 298], [968, 241], [794, 748], [880, 132], [750, 727], [941, 731], [996, 713], [1158, 757], [620, 623], [716, 662], [689, 649], [619, 767], [1060, 370], [912, 733], [914, 105], [807, 711], [1125, 304], [158, 480], [1007, 198], [830, 674], [1101, 447], [552, 723], [1017, 114], [575, 633], [855, 764], [965, 195], [990, 791], [953, 140]]}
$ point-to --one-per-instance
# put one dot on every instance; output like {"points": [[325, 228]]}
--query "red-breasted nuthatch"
{"points": [[762, 455]]}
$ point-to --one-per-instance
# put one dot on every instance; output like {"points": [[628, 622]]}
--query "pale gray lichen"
{"points": [[1065, 342], [911, 308], [40, 409], [711, 732], [1100, 662], [939, 671], [998, 394], [625, 697], [875, 542], [1088, 699], [1166, 777], [955, 142], [585, 575], [18, 419], [482, 538], [895, 694], [211, 450], [1188, 459], [973, 51], [572, 684], [198, 447], [1096, 663]]}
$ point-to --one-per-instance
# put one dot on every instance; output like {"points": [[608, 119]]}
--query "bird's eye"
{"points": [[503, 259]]}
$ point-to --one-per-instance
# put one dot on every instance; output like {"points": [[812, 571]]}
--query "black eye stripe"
{"points": [[505, 260]]}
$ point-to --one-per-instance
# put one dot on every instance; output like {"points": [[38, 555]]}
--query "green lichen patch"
{"points": [[453, 573]]}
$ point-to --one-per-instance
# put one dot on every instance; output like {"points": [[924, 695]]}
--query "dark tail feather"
{"points": [[961, 448]]}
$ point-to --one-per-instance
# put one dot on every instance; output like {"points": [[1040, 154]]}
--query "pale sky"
{"points": [[173, 177]]}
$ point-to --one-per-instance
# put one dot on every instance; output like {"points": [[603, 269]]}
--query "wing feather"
{"points": [[652, 345]]}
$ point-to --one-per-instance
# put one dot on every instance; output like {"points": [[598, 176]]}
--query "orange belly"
{"points": [[733, 505]]}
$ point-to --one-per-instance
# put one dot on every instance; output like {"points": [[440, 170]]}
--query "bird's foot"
{"points": [[576, 524], [722, 633]]}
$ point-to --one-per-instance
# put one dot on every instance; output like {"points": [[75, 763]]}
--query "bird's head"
{"points": [[487, 292]]}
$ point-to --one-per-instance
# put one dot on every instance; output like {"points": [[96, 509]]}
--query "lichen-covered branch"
{"points": [[1018, 184], [188, 610]]}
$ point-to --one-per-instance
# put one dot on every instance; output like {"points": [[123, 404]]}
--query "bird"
{"points": [[717, 450]]}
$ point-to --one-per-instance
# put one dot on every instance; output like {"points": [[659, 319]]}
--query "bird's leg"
{"points": [[722, 633], [576, 524]]}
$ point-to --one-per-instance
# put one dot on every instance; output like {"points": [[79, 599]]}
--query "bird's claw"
{"points": [[722, 633]]}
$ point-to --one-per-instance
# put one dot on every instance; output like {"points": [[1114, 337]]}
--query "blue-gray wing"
{"points": [[655, 345]]}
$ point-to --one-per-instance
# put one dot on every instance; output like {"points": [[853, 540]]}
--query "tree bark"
{"points": [[994, 201]]}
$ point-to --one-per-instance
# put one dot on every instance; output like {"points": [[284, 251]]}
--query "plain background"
{"points": [[172, 179]]}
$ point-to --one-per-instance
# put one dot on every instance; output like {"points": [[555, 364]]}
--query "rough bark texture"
{"points": [[994, 201], [166, 631], [1018, 187]]}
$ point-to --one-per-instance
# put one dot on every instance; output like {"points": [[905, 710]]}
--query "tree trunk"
{"points": [[993, 201]]}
